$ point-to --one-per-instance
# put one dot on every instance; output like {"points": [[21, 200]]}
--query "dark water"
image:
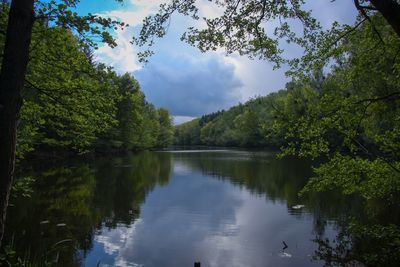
{"points": [[222, 208]]}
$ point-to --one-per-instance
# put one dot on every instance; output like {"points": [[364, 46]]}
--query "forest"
{"points": [[73, 104], [340, 110]]}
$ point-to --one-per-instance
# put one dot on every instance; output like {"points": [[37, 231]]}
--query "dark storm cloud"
{"points": [[190, 87]]}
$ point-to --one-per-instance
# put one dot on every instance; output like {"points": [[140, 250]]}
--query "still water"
{"points": [[221, 208]]}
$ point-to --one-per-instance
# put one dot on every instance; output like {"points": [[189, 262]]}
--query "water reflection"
{"points": [[83, 199], [223, 208]]}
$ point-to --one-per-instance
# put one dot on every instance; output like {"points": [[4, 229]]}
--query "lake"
{"points": [[217, 207]]}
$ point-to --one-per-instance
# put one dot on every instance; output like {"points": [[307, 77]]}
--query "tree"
{"points": [[187, 133], [150, 128], [72, 102], [166, 133], [12, 76], [129, 114], [242, 26], [248, 124], [22, 16], [353, 119]]}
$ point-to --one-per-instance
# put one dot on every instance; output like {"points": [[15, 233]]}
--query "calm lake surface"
{"points": [[221, 207]]}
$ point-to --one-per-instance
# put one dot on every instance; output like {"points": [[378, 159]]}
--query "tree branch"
{"points": [[64, 105], [394, 95], [264, 5], [348, 32], [259, 20], [228, 20], [362, 11]]}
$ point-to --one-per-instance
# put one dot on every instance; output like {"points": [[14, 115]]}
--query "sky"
{"points": [[181, 78]]}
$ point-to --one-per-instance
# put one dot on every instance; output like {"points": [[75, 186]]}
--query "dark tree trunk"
{"points": [[390, 10], [12, 76]]}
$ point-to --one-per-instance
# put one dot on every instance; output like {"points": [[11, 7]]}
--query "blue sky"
{"points": [[182, 79]]}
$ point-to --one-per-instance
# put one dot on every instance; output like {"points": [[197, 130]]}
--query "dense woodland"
{"points": [[73, 104]]}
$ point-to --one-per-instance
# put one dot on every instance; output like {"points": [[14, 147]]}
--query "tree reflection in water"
{"points": [[72, 201], [368, 232], [85, 197]]}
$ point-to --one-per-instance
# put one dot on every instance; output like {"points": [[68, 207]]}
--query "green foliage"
{"points": [[67, 100], [248, 125], [352, 118], [243, 125], [373, 179], [91, 29], [166, 133], [361, 244], [74, 101], [23, 187], [222, 131], [188, 133], [379, 244], [139, 124], [129, 115], [75, 105]]}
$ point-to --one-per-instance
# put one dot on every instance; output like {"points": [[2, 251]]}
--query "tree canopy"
{"points": [[242, 27]]}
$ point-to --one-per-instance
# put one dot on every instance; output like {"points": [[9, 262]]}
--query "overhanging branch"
{"points": [[364, 13]]}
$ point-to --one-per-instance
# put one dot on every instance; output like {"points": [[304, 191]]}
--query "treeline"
{"points": [[244, 125], [73, 104]]}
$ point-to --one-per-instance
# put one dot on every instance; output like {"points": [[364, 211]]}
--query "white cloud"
{"points": [[135, 11], [123, 58], [257, 76], [116, 242]]}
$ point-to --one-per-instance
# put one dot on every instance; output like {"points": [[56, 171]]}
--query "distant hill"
{"points": [[244, 125]]}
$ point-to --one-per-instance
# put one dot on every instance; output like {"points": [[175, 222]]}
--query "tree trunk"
{"points": [[390, 10], [12, 76]]}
